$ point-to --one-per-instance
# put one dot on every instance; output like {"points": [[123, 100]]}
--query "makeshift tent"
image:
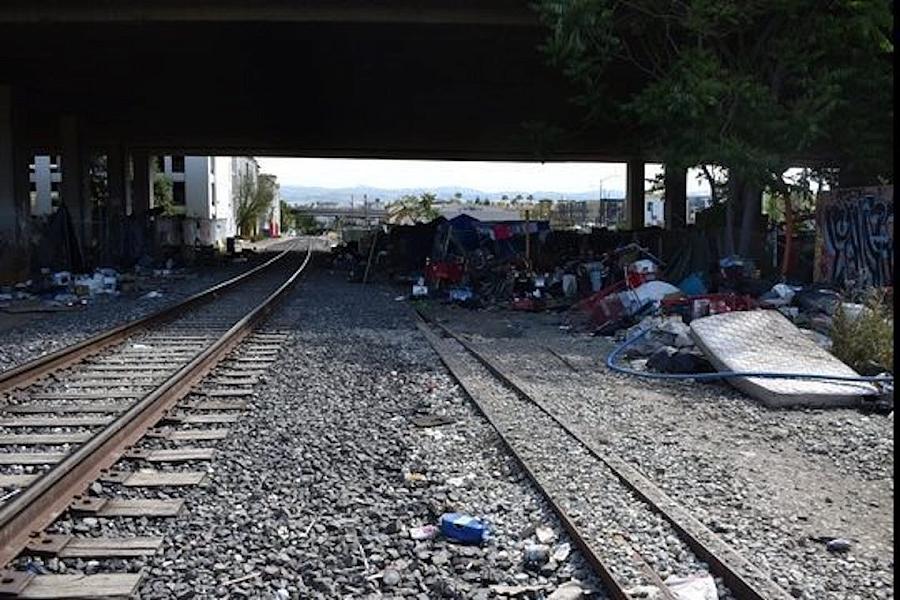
{"points": [[465, 234]]}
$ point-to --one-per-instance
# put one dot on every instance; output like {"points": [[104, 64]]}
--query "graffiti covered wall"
{"points": [[855, 237]]}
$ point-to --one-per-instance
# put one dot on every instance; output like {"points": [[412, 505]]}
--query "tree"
{"points": [[254, 199], [458, 196], [414, 208], [163, 194], [748, 85]]}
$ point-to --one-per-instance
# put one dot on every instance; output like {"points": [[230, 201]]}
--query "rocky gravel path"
{"points": [[637, 545], [24, 337], [775, 484], [317, 489]]}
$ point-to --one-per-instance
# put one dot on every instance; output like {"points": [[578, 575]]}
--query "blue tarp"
{"points": [[467, 234]]}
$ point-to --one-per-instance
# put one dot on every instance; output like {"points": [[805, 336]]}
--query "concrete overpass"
{"points": [[442, 79]]}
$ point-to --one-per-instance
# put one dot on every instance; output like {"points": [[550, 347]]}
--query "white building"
{"points": [[205, 189], [44, 177]]}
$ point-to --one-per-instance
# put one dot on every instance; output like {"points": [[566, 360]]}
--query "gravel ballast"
{"points": [[776, 485], [319, 485], [27, 336]]}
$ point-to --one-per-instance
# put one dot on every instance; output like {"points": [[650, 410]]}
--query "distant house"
{"points": [[482, 213]]}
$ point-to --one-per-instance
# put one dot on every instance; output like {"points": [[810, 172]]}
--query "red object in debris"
{"points": [[451, 272], [525, 303], [694, 307]]}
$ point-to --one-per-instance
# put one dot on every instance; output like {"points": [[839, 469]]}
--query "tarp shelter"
{"points": [[464, 234]]}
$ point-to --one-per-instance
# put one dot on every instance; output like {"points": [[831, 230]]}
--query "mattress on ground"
{"points": [[765, 340]]}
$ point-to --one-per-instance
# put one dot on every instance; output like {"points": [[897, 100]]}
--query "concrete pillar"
{"points": [[142, 186], [675, 181], [74, 174], [635, 203], [114, 219], [15, 251]]}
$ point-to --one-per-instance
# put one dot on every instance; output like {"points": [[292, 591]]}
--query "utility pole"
{"points": [[528, 237]]}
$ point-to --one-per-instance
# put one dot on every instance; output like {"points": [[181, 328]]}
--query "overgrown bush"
{"points": [[866, 342]]}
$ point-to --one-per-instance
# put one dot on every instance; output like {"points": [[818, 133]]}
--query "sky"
{"points": [[488, 177]]}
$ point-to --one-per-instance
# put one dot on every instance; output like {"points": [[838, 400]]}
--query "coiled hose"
{"points": [[618, 350]]}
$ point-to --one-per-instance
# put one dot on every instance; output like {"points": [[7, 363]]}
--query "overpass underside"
{"points": [[457, 81]]}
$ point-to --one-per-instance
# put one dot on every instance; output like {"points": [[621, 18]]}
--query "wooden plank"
{"points": [[35, 439], [259, 368], [198, 434], [54, 421], [181, 454], [64, 587], [200, 419], [92, 407], [225, 372], [31, 458], [116, 507], [17, 480], [111, 547], [123, 368], [235, 380], [119, 382], [88, 395], [223, 393], [164, 479], [220, 405]]}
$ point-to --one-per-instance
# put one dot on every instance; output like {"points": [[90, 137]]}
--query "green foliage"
{"points": [[306, 223], [414, 208], [254, 199], [746, 84], [866, 342], [162, 193]]}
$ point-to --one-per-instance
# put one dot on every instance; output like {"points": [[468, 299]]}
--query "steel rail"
{"points": [[743, 578], [33, 370], [614, 588], [50, 495]]}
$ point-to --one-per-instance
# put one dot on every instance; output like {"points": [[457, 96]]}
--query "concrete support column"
{"points": [[114, 219], [73, 179], [635, 203], [15, 251], [676, 197], [142, 186]]}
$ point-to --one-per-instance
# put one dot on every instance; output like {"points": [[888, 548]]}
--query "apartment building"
{"points": [[44, 178]]}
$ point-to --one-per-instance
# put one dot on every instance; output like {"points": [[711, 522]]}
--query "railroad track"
{"points": [[632, 534], [91, 430]]}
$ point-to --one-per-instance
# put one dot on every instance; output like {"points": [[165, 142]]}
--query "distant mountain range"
{"points": [[357, 195]]}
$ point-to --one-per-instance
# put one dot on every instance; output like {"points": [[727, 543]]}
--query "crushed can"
{"points": [[463, 528]]}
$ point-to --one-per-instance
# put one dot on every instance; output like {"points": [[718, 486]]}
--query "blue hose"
{"points": [[614, 355]]}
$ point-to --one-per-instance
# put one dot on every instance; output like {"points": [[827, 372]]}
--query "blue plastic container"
{"points": [[464, 528]]}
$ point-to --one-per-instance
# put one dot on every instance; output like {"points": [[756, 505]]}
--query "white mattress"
{"points": [[765, 340]]}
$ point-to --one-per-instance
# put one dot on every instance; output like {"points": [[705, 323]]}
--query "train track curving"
{"points": [[135, 408], [639, 541]]}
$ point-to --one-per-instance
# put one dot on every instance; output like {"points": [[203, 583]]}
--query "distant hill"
{"points": [[307, 195]]}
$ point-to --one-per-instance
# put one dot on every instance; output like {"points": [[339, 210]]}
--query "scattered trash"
{"points": [[431, 420], [545, 535], [464, 528], [152, 295], [692, 587], [571, 590], [141, 347], [838, 545], [419, 288], [414, 477], [424, 532], [536, 555]]}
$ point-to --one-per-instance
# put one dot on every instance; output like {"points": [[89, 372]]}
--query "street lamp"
{"points": [[602, 203]]}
